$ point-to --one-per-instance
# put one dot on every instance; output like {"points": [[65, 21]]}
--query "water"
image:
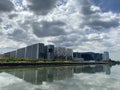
{"points": [[94, 77]]}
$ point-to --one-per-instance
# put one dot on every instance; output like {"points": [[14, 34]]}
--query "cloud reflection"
{"points": [[61, 78]]}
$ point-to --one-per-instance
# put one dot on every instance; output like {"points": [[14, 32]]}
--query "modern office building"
{"points": [[105, 56], [7, 55], [87, 56], [63, 53], [30, 52], [69, 54], [13, 54], [21, 53], [41, 50], [35, 51], [60, 53], [98, 56], [49, 52]]}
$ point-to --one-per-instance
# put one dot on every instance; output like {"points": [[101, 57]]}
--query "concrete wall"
{"points": [[63, 53], [41, 52], [28, 52], [32, 51], [13, 54], [49, 52], [87, 56], [21, 53], [60, 52], [106, 56]]}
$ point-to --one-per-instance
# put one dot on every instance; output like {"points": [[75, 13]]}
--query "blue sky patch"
{"points": [[108, 5]]}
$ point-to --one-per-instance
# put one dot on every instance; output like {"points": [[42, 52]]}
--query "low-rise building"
{"points": [[105, 56], [87, 56], [63, 53], [49, 52]]}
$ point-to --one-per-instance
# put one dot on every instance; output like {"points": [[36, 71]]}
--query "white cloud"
{"points": [[78, 16]]}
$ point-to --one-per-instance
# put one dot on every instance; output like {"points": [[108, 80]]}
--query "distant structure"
{"points": [[105, 56], [87, 56], [39, 50], [51, 52], [34, 51], [63, 53]]}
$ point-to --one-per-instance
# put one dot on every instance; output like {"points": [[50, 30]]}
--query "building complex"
{"points": [[51, 52]]}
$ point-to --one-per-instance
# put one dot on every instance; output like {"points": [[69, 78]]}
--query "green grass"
{"points": [[18, 60]]}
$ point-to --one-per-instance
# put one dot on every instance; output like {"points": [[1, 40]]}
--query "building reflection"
{"points": [[49, 74], [92, 69]]}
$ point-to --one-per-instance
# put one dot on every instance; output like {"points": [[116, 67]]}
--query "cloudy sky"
{"points": [[83, 25]]}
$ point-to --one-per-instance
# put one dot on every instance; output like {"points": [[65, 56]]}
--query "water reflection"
{"points": [[93, 69], [37, 76]]}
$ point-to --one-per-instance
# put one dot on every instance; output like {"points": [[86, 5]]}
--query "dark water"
{"points": [[94, 77]]}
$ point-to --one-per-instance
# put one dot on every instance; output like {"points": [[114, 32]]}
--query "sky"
{"points": [[83, 25]]}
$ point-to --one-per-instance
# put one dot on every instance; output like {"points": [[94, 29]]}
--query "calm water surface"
{"points": [[94, 77]]}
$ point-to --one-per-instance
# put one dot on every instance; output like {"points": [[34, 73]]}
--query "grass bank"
{"points": [[44, 62]]}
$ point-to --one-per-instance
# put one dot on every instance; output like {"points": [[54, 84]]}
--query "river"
{"points": [[83, 77]]}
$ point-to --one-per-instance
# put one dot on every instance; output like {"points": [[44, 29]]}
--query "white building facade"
{"points": [[63, 53], [106, 56]]}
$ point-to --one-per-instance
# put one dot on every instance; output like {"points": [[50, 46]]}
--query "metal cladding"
{"points": [[13, 54], [63, 53], [87, 56], [49, 52], [21, 53], [35, 51], [60, 52], [7, 54], [69, 54], [29, 52], [105, 56], [41, 50]]}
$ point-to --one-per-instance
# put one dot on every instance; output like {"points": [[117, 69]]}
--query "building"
{"points": [[69, 54], [105, 56], [98, 56], [60, 53], [41, 50], [13, 54], [7, 55], [63, 53], [21, 53], [49, 52], [87, 56], [1, 56], [35, 51]]}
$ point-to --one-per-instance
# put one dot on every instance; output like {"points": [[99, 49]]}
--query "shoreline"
{"points": [[22, 64]]}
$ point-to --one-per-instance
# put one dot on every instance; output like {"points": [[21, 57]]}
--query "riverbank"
{"points": [[42, 62], [23, 64]]}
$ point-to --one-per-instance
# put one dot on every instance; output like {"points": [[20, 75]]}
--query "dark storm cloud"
{"points": [[99, 24], [22, 36], [41, 7], [86, 7], [11, 16], [65, 41], [1, 20], [45, 29], [92, 17], [74, 40], [6, 6], [18, 35], [69, 40]]}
